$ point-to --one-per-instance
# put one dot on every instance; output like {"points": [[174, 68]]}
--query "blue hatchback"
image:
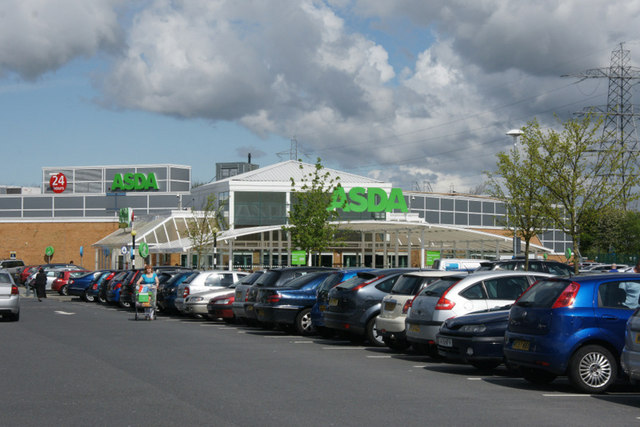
{"points": [[573, 327]]}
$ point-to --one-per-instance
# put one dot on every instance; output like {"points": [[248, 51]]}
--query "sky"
{"points": [[420, 94]]}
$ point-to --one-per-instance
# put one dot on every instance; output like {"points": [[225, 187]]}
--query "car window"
{"points": [[473, 292], [619, 294], [543, 294], [5, 278], [560, 269], [387, 285], [437, 288], [536, 266], [356, 280], [410, 285], [213, 279], [331, 280], [506, 288]]}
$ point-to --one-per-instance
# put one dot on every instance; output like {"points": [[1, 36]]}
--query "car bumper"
{"points": [[390, 324], [222, 313], [10, 305], [422, 332], [630, 361], [76, 291], [540, 353], [238, 310], [284, 315], [343, 322], [196, 309], [249, 311], [468, 349]]}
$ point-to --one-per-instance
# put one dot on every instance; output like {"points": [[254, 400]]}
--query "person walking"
{"points": [[41, 283], [149, 278]]}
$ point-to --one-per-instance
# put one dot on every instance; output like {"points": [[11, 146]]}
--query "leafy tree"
{"points": [[309, 220], [204, 226], [577, 173], [516, 183]]}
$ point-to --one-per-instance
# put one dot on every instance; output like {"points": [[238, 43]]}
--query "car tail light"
{"points": [[95, 286], [71, 282], [117, 286], [185, 293], [568, 296], [443, 303], [14, 290], [363, 284], [407, 305], [273, 298]]}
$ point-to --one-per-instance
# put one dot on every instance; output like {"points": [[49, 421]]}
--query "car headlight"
{"points": [[196, 299], [473, 329]]}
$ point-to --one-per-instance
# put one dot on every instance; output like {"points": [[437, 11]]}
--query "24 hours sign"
{"points": [[58, 183]]}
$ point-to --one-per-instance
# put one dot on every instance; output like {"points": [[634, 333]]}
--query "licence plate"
{"points": [[333, 302], [260, 312], [637, 338], [249, 308], [389, 306], [322, 307], [520, 345], [445, 342], [414, 328], [238, 294]]}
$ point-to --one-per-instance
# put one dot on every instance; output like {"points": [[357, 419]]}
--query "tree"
{"points": [[515, 182], [309, 220], [204, 226], [577, 173]]}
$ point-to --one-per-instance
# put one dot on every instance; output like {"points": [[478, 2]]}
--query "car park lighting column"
{"points": [[133, 247], [515, 133]]}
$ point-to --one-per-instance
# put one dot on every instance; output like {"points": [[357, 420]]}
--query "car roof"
{"points": [[437, 273]]}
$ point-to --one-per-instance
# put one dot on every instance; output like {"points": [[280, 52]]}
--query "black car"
{"points": [[355, 303], [168, 287], [551, 267], [476, 338], [272, 278]]}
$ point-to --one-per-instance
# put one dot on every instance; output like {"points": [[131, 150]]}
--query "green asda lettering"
{"points": [[373, 199], [134, 181]]}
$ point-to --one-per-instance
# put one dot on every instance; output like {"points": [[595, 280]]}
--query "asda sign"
{"points": [[134, 181], [360, 199]]}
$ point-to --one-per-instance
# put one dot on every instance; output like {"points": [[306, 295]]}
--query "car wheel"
{"points": [[102, 299], [537, 376], [303, 325], [592, 369], [374, 336], [485, 365], [396, 344], [87, 297], [64, 290], [124, 304]]}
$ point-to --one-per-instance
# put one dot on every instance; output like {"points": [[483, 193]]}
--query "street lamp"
{"points": [[133, 249], [515, 133]]}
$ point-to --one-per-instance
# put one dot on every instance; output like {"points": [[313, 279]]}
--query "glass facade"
{"points": [[259, 208]]}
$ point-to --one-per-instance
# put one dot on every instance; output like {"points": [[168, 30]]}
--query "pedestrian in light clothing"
{"points": [[41, 283], [150, 279]]}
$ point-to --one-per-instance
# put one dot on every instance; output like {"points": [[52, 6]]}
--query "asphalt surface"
{"points": [[72, 363]]}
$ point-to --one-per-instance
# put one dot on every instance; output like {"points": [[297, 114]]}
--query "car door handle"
{"points": [[609, 317]]}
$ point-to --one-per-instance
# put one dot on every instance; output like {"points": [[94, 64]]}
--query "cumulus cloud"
{"points": [[307, 69]]}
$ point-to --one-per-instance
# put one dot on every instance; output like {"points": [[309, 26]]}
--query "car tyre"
{"points": [[124, 304], [374, 336], [87, 297], [592, 369], [303, 325], [64, 290], [537, 376]]}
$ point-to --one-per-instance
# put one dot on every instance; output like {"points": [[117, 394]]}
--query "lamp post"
{"points": [[133, 249], [515, 133]]}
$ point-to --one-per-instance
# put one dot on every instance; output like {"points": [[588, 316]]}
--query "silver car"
{"points": [[9, 297], [630, 358], [205, 281], [196, 304], [461, 294], [393, 312]]}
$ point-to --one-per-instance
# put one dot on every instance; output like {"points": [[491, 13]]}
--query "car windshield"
{"points": [[268, 279], [356, 280], [410, 285], [543, 294], [437, 288], [299, 282]]}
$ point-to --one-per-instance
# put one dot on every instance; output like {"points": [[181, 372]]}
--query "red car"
{"points": [[26, 272], [220, 307], [60, 283]]}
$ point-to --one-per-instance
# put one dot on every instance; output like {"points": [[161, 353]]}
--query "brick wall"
{"points": [[29, 241]]}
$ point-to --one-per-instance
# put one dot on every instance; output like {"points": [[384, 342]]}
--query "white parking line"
{"points": [[343, 348], [64, 312], [378, 357], [303, 342]]}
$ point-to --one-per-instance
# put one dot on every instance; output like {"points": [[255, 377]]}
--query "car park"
{"points": [[461, 294], [355, 303], [61, 282], [246, 296], [13, 266], [196, 304], [289, 305], [475, 338], [393, 310], [9, 297], [574, 327], [204, 281], [322, 297], [552, 267]]}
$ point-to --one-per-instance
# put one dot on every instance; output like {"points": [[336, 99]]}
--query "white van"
{"points": [[448, 264]]}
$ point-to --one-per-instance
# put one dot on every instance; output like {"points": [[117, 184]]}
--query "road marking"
{"points": [[342, 348], [275, 337], [378, 357], [64, 312], [566, 395], [303, 342], [419, 366]]}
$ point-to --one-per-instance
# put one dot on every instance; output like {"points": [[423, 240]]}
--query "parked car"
{"points": [[78, 286], [457, 295], [13, 266], [393, 311], [630, 359], [168, 289], [475, 338], [574, 327], [322, 297], [25, 272], [9, 297], [52, 274], [457, 264], [204, 281], [114, 286], [552, 267], [245, 296], [355, 303], [61, 282], [128, 288], [92, 292], [289, 305], [196, 304], [220, 307]]}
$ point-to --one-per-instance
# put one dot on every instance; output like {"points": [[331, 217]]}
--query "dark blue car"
{"points": [[322, 297], [289, 305], [573, 327], [476, 338], [80, 286], [168, 288], [99, 284]]}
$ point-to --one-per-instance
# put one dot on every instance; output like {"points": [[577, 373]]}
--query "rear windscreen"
{"points": [[268, 278], [328, 283], [356, 280], [410, 285], [437, 288], [543, 294]]}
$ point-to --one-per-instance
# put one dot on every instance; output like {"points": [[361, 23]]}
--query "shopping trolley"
{"points": [[145, 297]]}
